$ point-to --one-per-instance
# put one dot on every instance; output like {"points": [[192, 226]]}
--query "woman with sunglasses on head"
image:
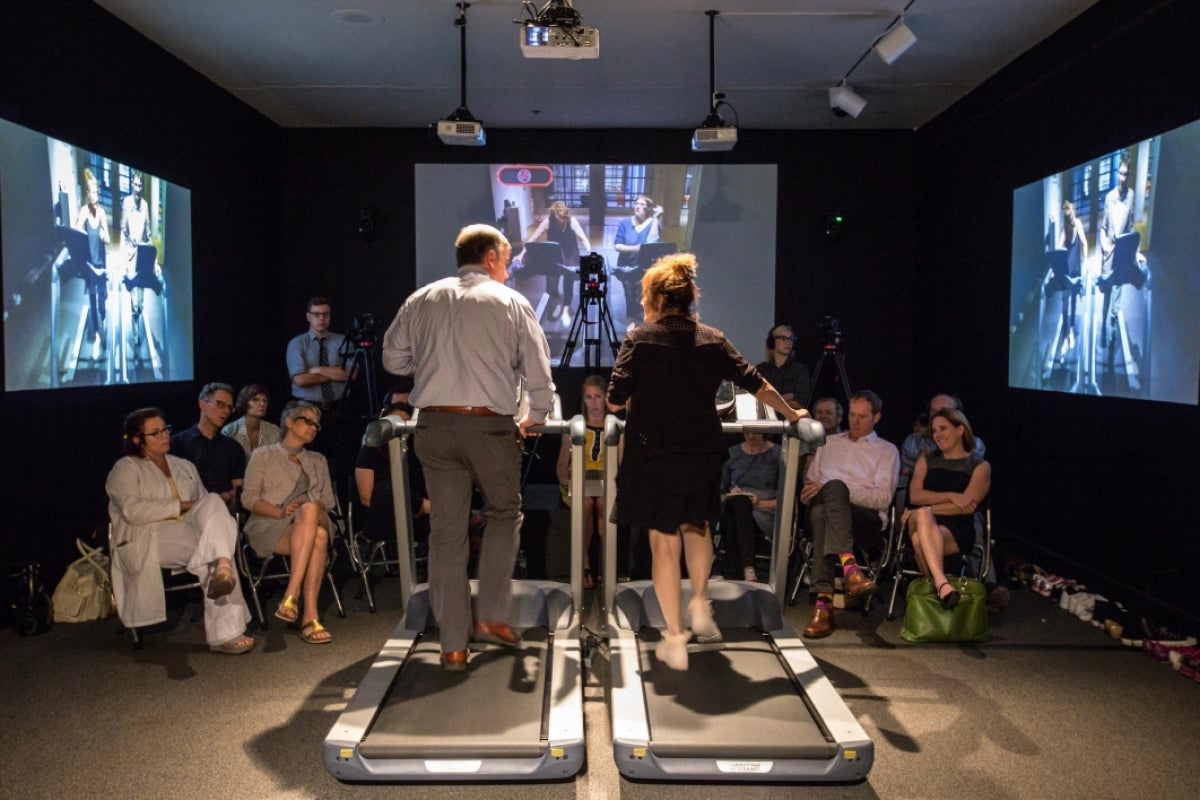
{"points": [[288, 493], [163, 518]]}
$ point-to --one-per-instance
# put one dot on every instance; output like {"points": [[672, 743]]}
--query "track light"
{"points": [[895, 42], [844, 101]]}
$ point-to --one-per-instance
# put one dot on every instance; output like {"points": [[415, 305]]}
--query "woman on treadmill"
{"points": [[669, 480]]}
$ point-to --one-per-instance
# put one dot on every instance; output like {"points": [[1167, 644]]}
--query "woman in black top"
{"points": [[666, 376], [947, 486]]}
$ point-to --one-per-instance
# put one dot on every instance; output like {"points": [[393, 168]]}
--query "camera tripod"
{"points": [[364, 360], [830, 352], [592, 295]]}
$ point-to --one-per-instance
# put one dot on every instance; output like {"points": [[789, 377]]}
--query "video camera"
{"points": [[363, 333], [593, 276], [829, 333]]}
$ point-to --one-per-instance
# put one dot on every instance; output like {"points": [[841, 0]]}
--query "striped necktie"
{"points": [[327, 386]]}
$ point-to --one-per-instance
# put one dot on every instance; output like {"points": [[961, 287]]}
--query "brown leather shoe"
{"points": [[858, 584], [821, 624], [496, 633], [455, 660]]}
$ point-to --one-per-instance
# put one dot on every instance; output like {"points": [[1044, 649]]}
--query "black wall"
{"points": [[1104, 482], [69, 70], [918, 276]]}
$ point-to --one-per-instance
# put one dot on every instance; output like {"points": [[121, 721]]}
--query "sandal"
{"points": [[311, 632], [588, 582], [221, 583], [289, 609], [948, 601], [235, 646]]}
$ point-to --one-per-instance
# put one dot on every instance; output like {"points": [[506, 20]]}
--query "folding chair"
{"points": [[874, 561], [256, 569], [975, 564], [172, 582]]}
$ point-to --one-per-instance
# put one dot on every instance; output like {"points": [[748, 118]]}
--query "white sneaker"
{"points": [[671, 650], [750, 574], [703, 625]]}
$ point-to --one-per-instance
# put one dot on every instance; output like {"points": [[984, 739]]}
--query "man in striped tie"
{"points": [[314, 361]]}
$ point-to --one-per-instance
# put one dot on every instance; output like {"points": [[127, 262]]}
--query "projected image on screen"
{"points": [[584, 234], [1106, 274], [97, 268]]}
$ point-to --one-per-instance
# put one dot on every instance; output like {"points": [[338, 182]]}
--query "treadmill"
{"points": [[754, 707], [515, 714]]}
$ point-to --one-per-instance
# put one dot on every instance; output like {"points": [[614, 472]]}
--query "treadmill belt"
{"points": [[736, 700], [494, 709]]}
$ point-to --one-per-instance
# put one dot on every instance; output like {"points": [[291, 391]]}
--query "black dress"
{"points": [[953, 475], [670, 472]]}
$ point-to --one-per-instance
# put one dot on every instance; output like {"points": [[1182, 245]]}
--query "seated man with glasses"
{"points": [[289, 493], [219, 459], [789, 376]]}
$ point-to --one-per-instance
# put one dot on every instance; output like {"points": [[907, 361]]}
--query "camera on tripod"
{"points": [[593, 276], [363, 333], [829, 333]]}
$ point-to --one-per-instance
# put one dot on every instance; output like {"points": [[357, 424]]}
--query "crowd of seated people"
{"points": [[287, 490]]}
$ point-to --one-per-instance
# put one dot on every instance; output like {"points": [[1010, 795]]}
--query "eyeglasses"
{"points": [[312, 423], [163, 430], [318, 314], [785, 337], [221, 404]]}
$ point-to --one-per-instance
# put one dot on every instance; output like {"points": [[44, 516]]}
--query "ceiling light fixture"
{"points": [[844, 101], [895, 42], [461, 127], [714, 133], [889, 45]]}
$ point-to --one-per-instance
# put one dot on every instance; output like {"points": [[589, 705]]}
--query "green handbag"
{"points": [[926, 621]]}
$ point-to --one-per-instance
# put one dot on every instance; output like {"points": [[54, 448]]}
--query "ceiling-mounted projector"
{"points": [[552, 41], [467, 132], [714, 138]]}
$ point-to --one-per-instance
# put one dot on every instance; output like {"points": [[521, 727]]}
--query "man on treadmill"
{"points": [[470, 342], [848, 487]]}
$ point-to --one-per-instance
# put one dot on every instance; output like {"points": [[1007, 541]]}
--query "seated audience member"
{"points": [[251, 429], [220, 460], [828, 412], [937, 403], [910, 448], [749, 485], [948, 485], [288, 493], [789, 376], [594, 389], [849, 484], [373, 479], [164, 518]]}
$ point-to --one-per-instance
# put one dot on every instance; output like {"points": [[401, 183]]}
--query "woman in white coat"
{"points": [[163, 517]]}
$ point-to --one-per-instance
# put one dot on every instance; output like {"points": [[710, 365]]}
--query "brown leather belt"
{"points": [[474, 411]]}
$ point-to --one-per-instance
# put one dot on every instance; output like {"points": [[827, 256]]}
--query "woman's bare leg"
{"points": [[665, 549]]}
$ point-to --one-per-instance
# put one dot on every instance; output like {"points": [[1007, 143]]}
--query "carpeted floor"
{"points": [[1050, 708]]}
